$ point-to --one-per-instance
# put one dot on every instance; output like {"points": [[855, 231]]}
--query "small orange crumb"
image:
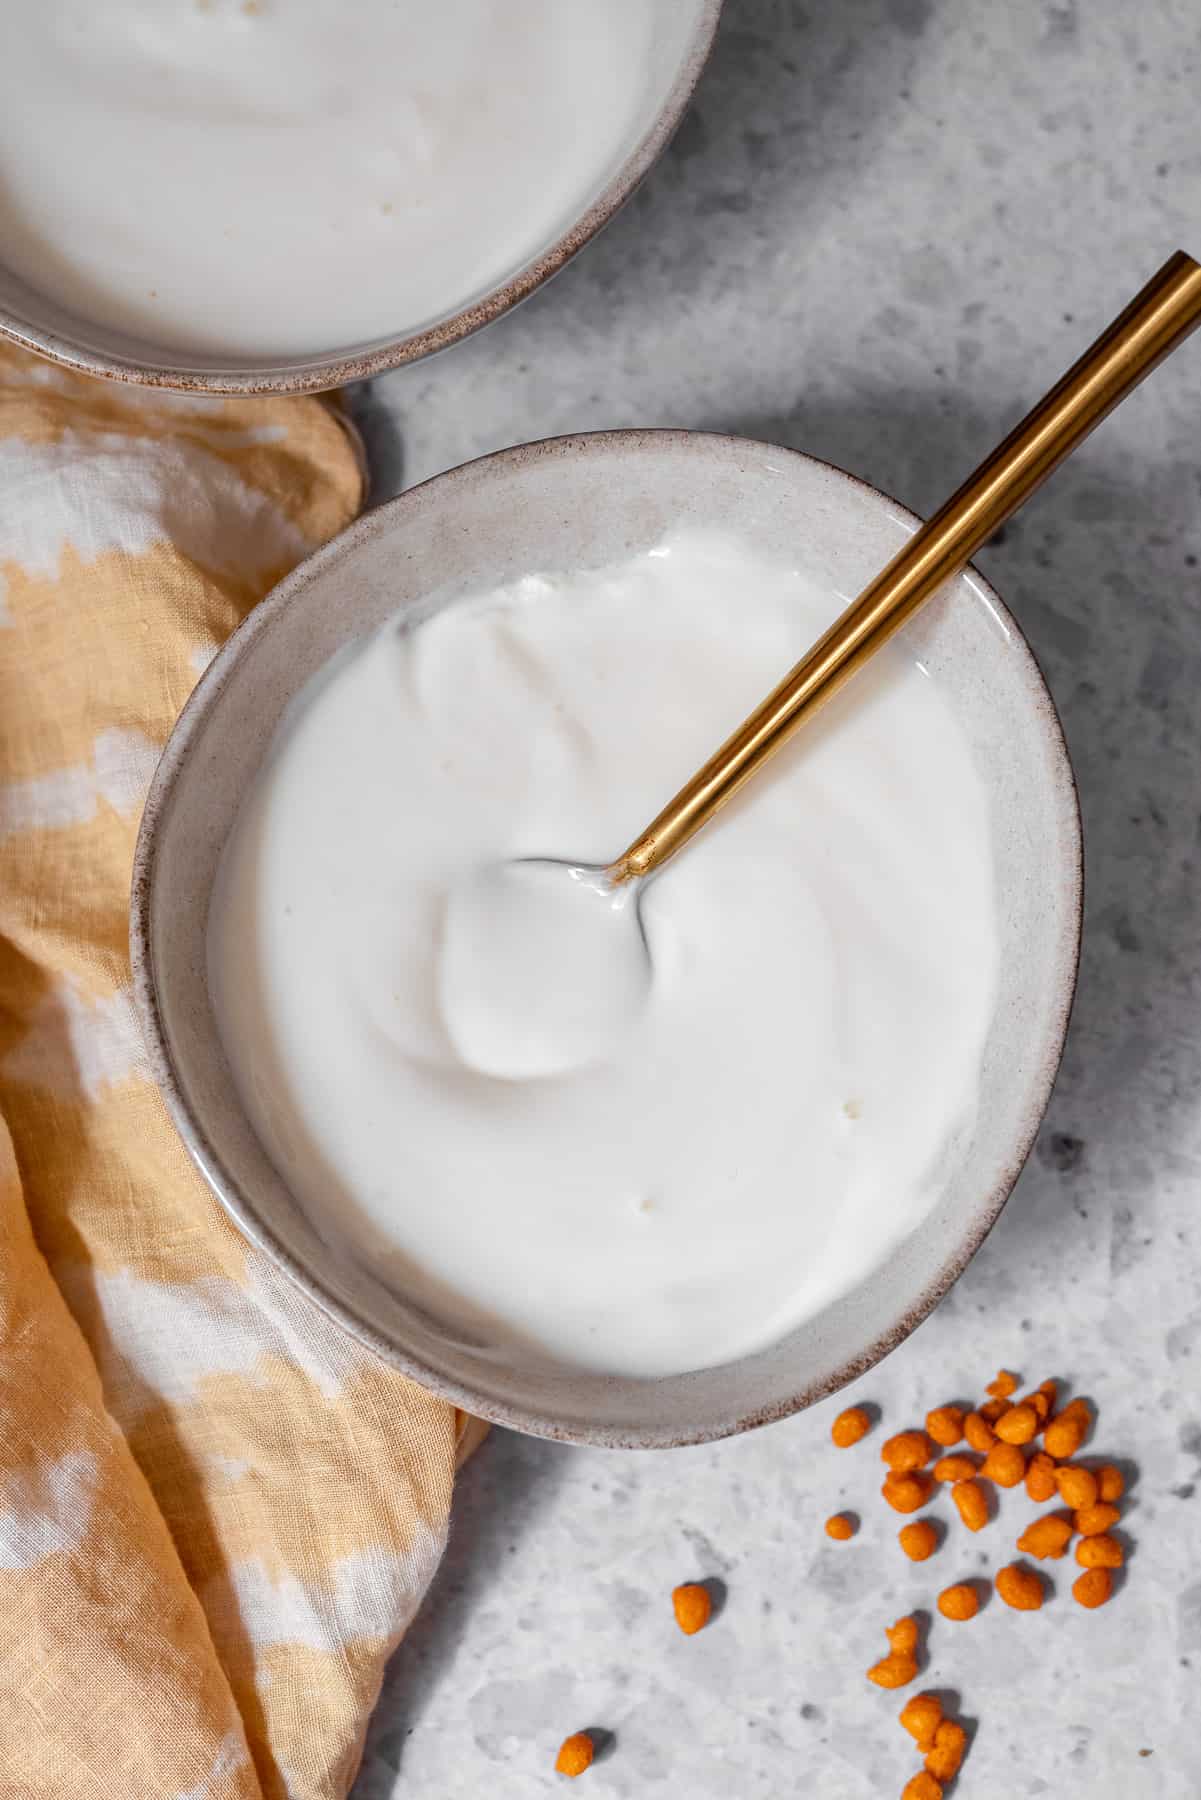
{"points": [[957, 1467], [1101, 1552], [1093, 1588], [921, 1787], [841, 1527], [902, 1637], [1111, 1483], [1005, 1464], [978, 1432], [850, 1426], [575, 1754], [692, 1606], [1091, 1521], [1047, 1537], [918, 1540], [893, 1671], [921, 1718], [906, 1451], [1020, 1588], [958, 1602], [906, 1493], [1003, 1386], [1040, 1477], [973, 1507], [1067, 1430], [945, 1425], [1077, 1486], [1018, 1425], [944, 1758], [991, 1410]]}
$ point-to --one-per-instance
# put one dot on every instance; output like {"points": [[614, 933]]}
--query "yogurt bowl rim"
{"points": [[240, 1206], [96, 350]]}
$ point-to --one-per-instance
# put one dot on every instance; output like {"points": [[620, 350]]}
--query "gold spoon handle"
{"points": [[1154, 323]]}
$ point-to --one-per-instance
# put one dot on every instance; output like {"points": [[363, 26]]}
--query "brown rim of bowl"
{"points": [[205, 1155], [317, 374]]}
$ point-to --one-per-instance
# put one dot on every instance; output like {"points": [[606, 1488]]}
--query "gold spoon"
{"points": [[1152, 326], [534, 983]]}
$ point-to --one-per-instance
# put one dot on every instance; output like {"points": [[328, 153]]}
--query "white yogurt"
{"points": [[677, 1168], [274, 177]]}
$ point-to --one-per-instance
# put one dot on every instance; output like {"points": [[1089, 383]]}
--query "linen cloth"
{"points": [[217, 1512]]}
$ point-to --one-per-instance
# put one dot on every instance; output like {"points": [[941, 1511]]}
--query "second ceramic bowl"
{"points": [[681, 37], [575, 503]]}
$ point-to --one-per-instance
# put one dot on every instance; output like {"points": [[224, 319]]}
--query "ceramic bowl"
{"points": [[571, 503], [682, 36]]}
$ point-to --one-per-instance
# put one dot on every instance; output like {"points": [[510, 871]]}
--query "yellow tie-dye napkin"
{"points": [[217, 1512]]}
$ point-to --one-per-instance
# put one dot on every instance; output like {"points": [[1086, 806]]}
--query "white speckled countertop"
{"points": [[885, 226]]}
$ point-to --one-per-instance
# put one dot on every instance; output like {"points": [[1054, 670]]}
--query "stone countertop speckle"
{"points": [[883, 229]]}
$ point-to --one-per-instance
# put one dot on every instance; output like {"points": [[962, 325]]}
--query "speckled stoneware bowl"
{"points": [[682, 36], [566, 504]]}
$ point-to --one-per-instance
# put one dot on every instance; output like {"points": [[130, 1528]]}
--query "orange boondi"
{"points": [[921, 1787], [1101, 1552], [1018, 1425], [1005, 1385], [978, 1432], [1093, 1588], [945, 1425], [906, 1493], [919, 1540], [1040, 1477], [1078, 1487], [946, 1753], [1047, 1537], [850, 1426], [1111, 1483], [906, 1451], [971, 1504], [960, 1467], [1091, 1521], [1020, 1588], [1005, 1464], [921, 1718], [1067, 1430], [959, 1602], [692, 1606], [575, 1754], [840, 1526]]}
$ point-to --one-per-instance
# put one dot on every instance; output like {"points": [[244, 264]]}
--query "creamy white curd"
{"points": [[276, 177], [625, 1158]]}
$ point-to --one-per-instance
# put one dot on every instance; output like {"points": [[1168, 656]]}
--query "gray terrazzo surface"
{"points": [[885, 226]]}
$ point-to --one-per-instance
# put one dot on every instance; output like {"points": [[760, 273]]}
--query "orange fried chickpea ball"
{"points": [[946, 1753], [958, 1602], [1040, 1477], [906, 1451], [991, 1410], [1047, 1537], [971, 1504], [907, 1493], [1020, 1588], [1018, 1425], [1042, 1400], [893, 1671], [1077, 1486], [1093, 1588], [1004, 1385], [840, 1527], [850, 1426], [692, 1607], [945, 1426], [1091, 1521], [575, 1754], [1101, 1552], [978, 1432], [1111, 1483], [957, 1467], [921, 1787], [919, 1540], [1005, 1464], [1067, 1430], [921, 1718]]}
